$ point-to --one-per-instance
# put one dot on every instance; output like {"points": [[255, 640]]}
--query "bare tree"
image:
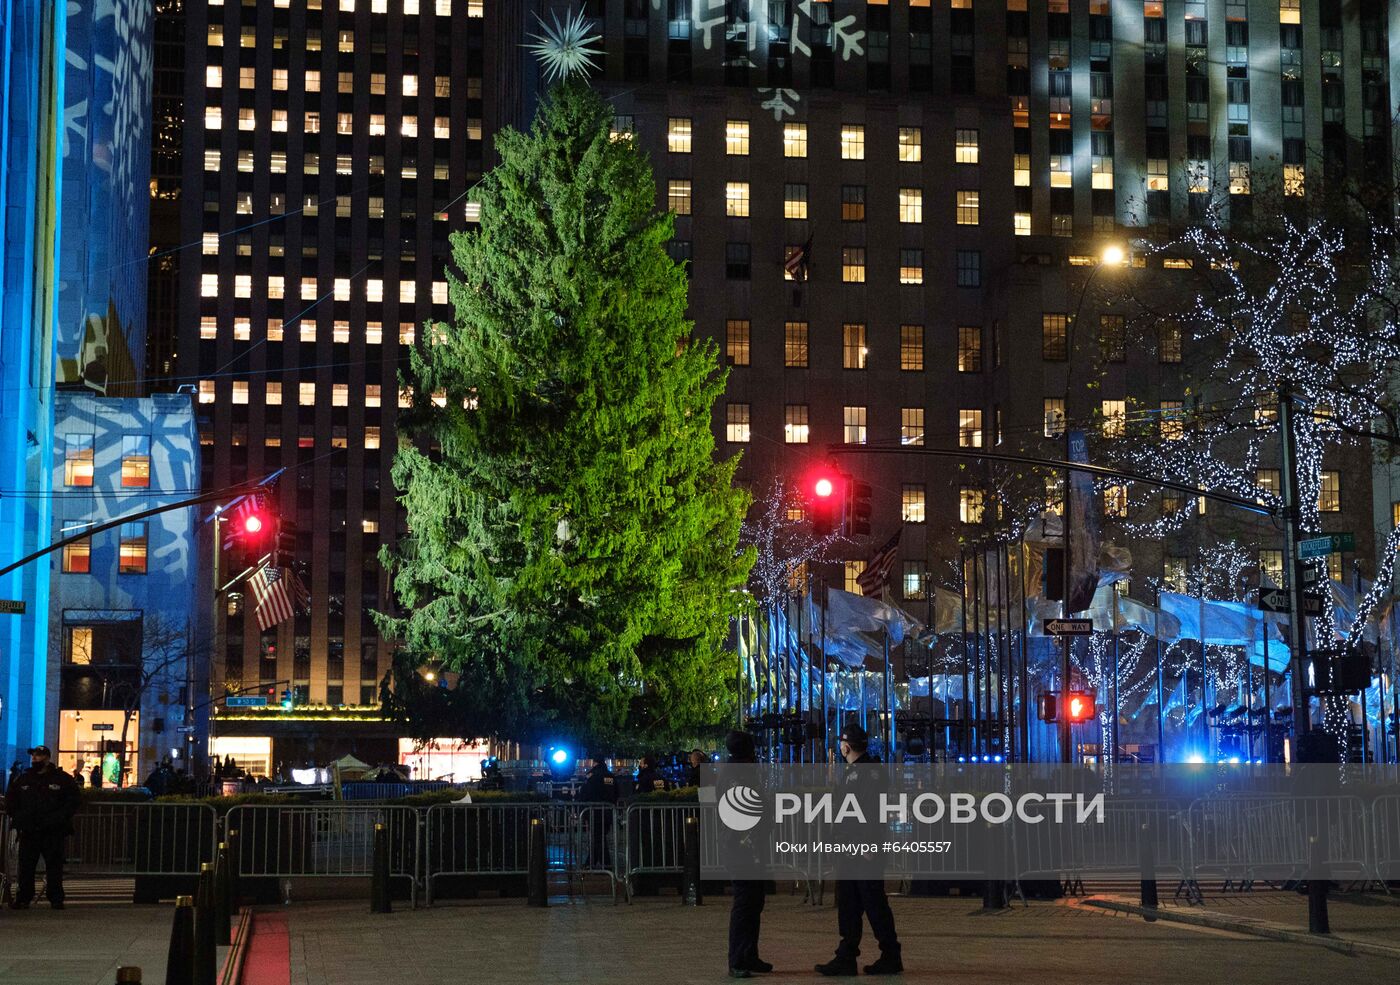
{"points": [[780, 533], [166, 650]]}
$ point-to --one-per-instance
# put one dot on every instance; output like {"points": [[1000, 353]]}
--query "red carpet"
{"points": [[269, 956]]}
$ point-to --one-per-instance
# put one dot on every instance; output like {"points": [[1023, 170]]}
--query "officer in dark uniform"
{"points": [[649, 778], [41, 804], [747, 911], [857, 898], [600, 788]]}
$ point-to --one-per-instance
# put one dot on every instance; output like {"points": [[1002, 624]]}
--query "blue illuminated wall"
{"points": [[106, 192], [31, 97]]}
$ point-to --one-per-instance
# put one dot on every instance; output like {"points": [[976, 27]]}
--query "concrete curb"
{"points": [[1248, 925]]}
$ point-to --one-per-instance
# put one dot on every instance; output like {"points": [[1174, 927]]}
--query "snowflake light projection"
{"points": [[565, 47]]}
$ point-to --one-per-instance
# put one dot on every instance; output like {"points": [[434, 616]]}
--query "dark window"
{"points": [[737, 261], [969, 268]]}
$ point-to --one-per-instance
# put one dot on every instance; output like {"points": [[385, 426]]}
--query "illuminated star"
{"points": [[564, 46]]}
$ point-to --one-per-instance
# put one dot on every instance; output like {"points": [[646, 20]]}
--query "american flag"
{"points": [[234, 517], [799, 260], [277, 594], [876, 576]]}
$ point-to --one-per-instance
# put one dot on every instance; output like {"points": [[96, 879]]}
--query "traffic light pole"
{"points": [[1297, 639]]}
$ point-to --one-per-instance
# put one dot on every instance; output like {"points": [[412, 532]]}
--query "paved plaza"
{"points": [[658, 940]]}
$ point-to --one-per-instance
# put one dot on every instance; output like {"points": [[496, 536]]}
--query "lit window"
{"points": [[442, 128], [852, 572], [243, 329], [968, 208], [794, 140], [852, 142], [855, 430], [1270, 481], [911, 205], [853, 264], [78, 459], [736, 342], [853, 203], [1329, 493], [1115, 418], [795, 344], [970, 503], [240, 391], [1169, 342], [970, 349], [1170, 423], [796, 430], [408, 290], [372, 394], [371, 437], [1115, 501], [911, 266], [1021, 223], [306, 394], [247, 77], [913, 503], [911, 425], [307, 331], [409, 126], [206, 391], [247, 119], [406, 333], [308, 288], [340, 394], [915, 575], [678, 135], [965, 149], [911, 144], [272, 396], [131, 551], [911, 348], [242, 285], [1054, 417], [213, 76], [213, 117], [853, 347], [736, 199], [1021, 170], [1293, 180], [211, 159], [1290, 11], [211, 248], [340, 331], [342, 288], [736, 137], [1054, 340], [736, 426], [1271, 563], [439, 289], [208, 327], [77, 558], [969, 428], [794, 201], [374, 289], [216, 35]]}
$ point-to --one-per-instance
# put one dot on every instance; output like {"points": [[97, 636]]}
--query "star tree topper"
{"points": [[564, 47]]}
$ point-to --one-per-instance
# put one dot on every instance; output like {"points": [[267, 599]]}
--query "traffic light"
{"points": [[287, 700], [1047, 706], [824, 502], [857, 518], [1079, 706], [284, 544], [1052, 586]]}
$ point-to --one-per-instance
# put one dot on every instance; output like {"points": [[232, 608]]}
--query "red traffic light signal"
{"points": [[252, 525], [1079, 706], [823, 487], [823, 497]]}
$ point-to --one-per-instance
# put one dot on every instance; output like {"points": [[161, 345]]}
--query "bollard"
{"points": [[234, 899], [536, 886], [1317, 889], [1147, 856], [205, 933], [179, 960], [690, 863], [994, 896], [379, 876], [223, 915], [129, 975]]}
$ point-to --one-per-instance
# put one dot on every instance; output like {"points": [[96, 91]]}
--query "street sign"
{"points": [[12, 607], [1069, 627], [184, 729], [102, 726], [1326, 544], [1276, 600], [246, 701]]}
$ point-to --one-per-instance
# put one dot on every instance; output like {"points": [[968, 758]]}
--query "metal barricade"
{"points": [[1112, 849], [9, 857], [469, 840], [325, 840], [141, 839], [1385, 838], [1249, 838], [594, 834], [354, 790], [656, 839]]}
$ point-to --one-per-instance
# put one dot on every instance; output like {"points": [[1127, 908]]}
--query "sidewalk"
{"points": [[945, 940], [84, 943], [1370, 921]]}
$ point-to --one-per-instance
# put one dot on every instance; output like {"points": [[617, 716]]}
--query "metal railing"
{"points": [[479, 840], [325, 840], [141, 839], [1249, 838], [354, 790], [1385, 835]]}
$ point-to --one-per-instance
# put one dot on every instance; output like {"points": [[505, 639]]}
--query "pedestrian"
{"points": [[15, 771], [95, 777], [79, 774], [41, 804], [862, 898], [747, 910], [692, 773], [649, 778]]}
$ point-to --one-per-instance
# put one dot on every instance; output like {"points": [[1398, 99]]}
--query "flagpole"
{"points": [[1025, 662], [889, 703], [965, 741], [1157, 640], [826, 730]]}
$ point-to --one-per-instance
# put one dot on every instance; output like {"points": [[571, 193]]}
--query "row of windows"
{"points": [[737, 198], [738, 425], [855, 348], [277, 163], [409, 85], [443, 8], [306, 394], [909, 143], [738, 263], [79, 460], [372, 332], [210, 286], [1112, 338], [131, 552], [375, 125]]}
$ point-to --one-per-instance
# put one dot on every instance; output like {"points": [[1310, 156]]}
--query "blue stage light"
{"points": [[559, 757]]}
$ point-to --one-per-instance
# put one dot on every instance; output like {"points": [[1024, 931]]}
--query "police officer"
{"points": [[649, 778], [747, 910], [857, 898], [41, 804], [600, 788]]}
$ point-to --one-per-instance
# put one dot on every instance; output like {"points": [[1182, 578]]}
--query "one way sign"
{"points": [[1069, 627], [1276, 600]]}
